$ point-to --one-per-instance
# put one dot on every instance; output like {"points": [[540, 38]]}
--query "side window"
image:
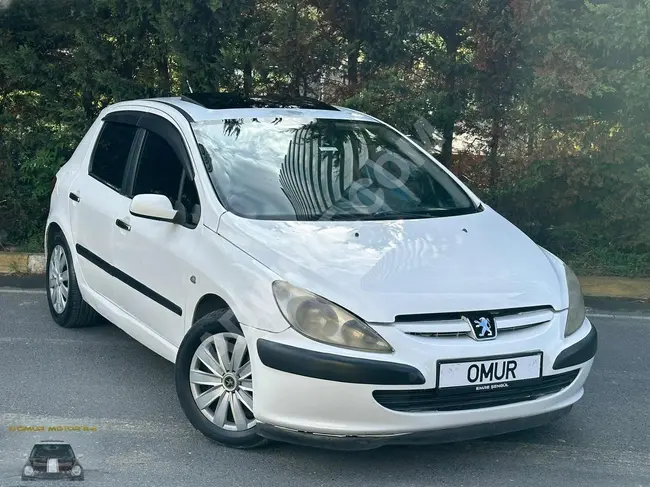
{"points": [[161, 172], [190, 201], [111, 153]]}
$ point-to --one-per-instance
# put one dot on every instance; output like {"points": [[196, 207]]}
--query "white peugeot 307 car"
{"points": [[315, 276]]}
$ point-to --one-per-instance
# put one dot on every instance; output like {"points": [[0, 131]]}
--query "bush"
{"points": [[593, 221], [32, 151]]}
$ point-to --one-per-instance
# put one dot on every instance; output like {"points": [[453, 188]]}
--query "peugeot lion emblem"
{"points": [[482, 326]]}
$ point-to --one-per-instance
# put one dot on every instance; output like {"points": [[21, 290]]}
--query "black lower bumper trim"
{"points": [[578, 353], [339, 368], [419, 438]]}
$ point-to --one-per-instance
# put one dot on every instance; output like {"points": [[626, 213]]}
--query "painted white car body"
{"points": [[377, 270]]}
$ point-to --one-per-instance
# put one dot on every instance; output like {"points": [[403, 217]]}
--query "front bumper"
{"points": [[51, 476], [447, 435], [326, 392]]}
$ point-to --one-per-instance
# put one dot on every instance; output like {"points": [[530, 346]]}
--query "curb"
{"points": [[12, 263], [17, 266]]}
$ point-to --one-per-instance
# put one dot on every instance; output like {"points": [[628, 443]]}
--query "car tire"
{"points": [[225, 393], [67, 306]]}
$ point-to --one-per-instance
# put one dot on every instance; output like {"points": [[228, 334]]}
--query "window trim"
{"points": [[134, 164], [159, 125], [134, 158], [121, 189]]}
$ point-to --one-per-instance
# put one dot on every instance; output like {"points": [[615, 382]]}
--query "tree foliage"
{"points": [[549, 98]]}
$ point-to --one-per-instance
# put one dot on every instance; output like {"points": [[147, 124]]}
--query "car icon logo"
{"points": [[52, 460]]}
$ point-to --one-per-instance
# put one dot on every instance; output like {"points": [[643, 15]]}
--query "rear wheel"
{"points": [[67, 306], [214, 383]]}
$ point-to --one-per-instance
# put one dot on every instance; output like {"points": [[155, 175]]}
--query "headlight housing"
{"points": [[576, 312], [28, 471], [76, 470], [323, 321]]}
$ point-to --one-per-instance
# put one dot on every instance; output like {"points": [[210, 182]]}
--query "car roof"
{"points": [[197, 107], [216, 101], [53, 441]]}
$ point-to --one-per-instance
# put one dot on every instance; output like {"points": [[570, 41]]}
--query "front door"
{"points": [[152, 256], [93, 197]]}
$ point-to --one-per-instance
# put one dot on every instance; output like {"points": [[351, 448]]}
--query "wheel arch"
{"points": [[207, 304], [52, 229]]}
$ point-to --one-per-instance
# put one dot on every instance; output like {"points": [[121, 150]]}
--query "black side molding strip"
{"points": [[128, 280], [578, 353], [338, 368]]}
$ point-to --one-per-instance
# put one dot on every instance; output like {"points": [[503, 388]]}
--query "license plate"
{"points": [[52, 465], [489, 374]]}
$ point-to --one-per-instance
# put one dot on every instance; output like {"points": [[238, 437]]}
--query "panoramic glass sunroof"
{"points": [[216, 101]]}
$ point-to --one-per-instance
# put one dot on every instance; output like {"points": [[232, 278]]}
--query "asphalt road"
{"points": [[101, 377]]}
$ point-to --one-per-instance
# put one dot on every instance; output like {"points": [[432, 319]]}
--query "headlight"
{"points": [[576, 314], [320, 320], [28, 471], [76, 470]]}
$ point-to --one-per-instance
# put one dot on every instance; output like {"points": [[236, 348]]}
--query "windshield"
{"points": [[60, 451], [324, 169]]}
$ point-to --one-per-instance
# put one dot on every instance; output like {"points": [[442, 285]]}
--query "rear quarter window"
{"points": [[111, 153]]}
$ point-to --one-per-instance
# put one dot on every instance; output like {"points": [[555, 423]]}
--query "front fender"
{"points": [[222, 269]]}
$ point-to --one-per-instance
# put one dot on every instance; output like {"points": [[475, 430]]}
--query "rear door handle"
{"points": [[123, 225], [74, 197]]}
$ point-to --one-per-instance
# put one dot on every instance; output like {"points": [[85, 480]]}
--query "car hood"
{"points": [[382, 269]]}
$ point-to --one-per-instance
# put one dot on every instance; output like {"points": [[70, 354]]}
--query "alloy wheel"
{"points": [[59, 279], [221, 381]]}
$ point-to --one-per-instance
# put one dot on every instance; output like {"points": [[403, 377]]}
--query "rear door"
{"points": [[94, 195], [152, 255]]}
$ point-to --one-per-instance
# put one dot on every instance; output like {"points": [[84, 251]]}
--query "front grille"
{"points": [[421, 400], [452, 325]]}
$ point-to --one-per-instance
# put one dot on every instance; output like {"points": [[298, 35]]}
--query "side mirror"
{"points": [[80, 456], [153, 207]]}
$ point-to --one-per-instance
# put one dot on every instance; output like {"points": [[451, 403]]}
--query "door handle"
{"points": [[123, 225], [74, 197]]}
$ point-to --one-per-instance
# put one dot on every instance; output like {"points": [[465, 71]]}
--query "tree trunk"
{"points": [[162, 65], [530, 145], [248, 77], [452, 43], [87, 104], [294, 86], [354, 42], [447, 141], [353, 65], [493, 155], [296, 75]]}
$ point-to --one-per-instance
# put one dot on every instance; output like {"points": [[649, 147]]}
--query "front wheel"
{"points": [[214, 383], [67, 306]]}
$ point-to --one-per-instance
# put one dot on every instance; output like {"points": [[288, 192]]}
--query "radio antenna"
{"points": [[189, 86]]}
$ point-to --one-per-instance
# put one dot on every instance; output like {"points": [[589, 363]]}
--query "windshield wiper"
{"points": [[420, 213], [401, 215]]}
